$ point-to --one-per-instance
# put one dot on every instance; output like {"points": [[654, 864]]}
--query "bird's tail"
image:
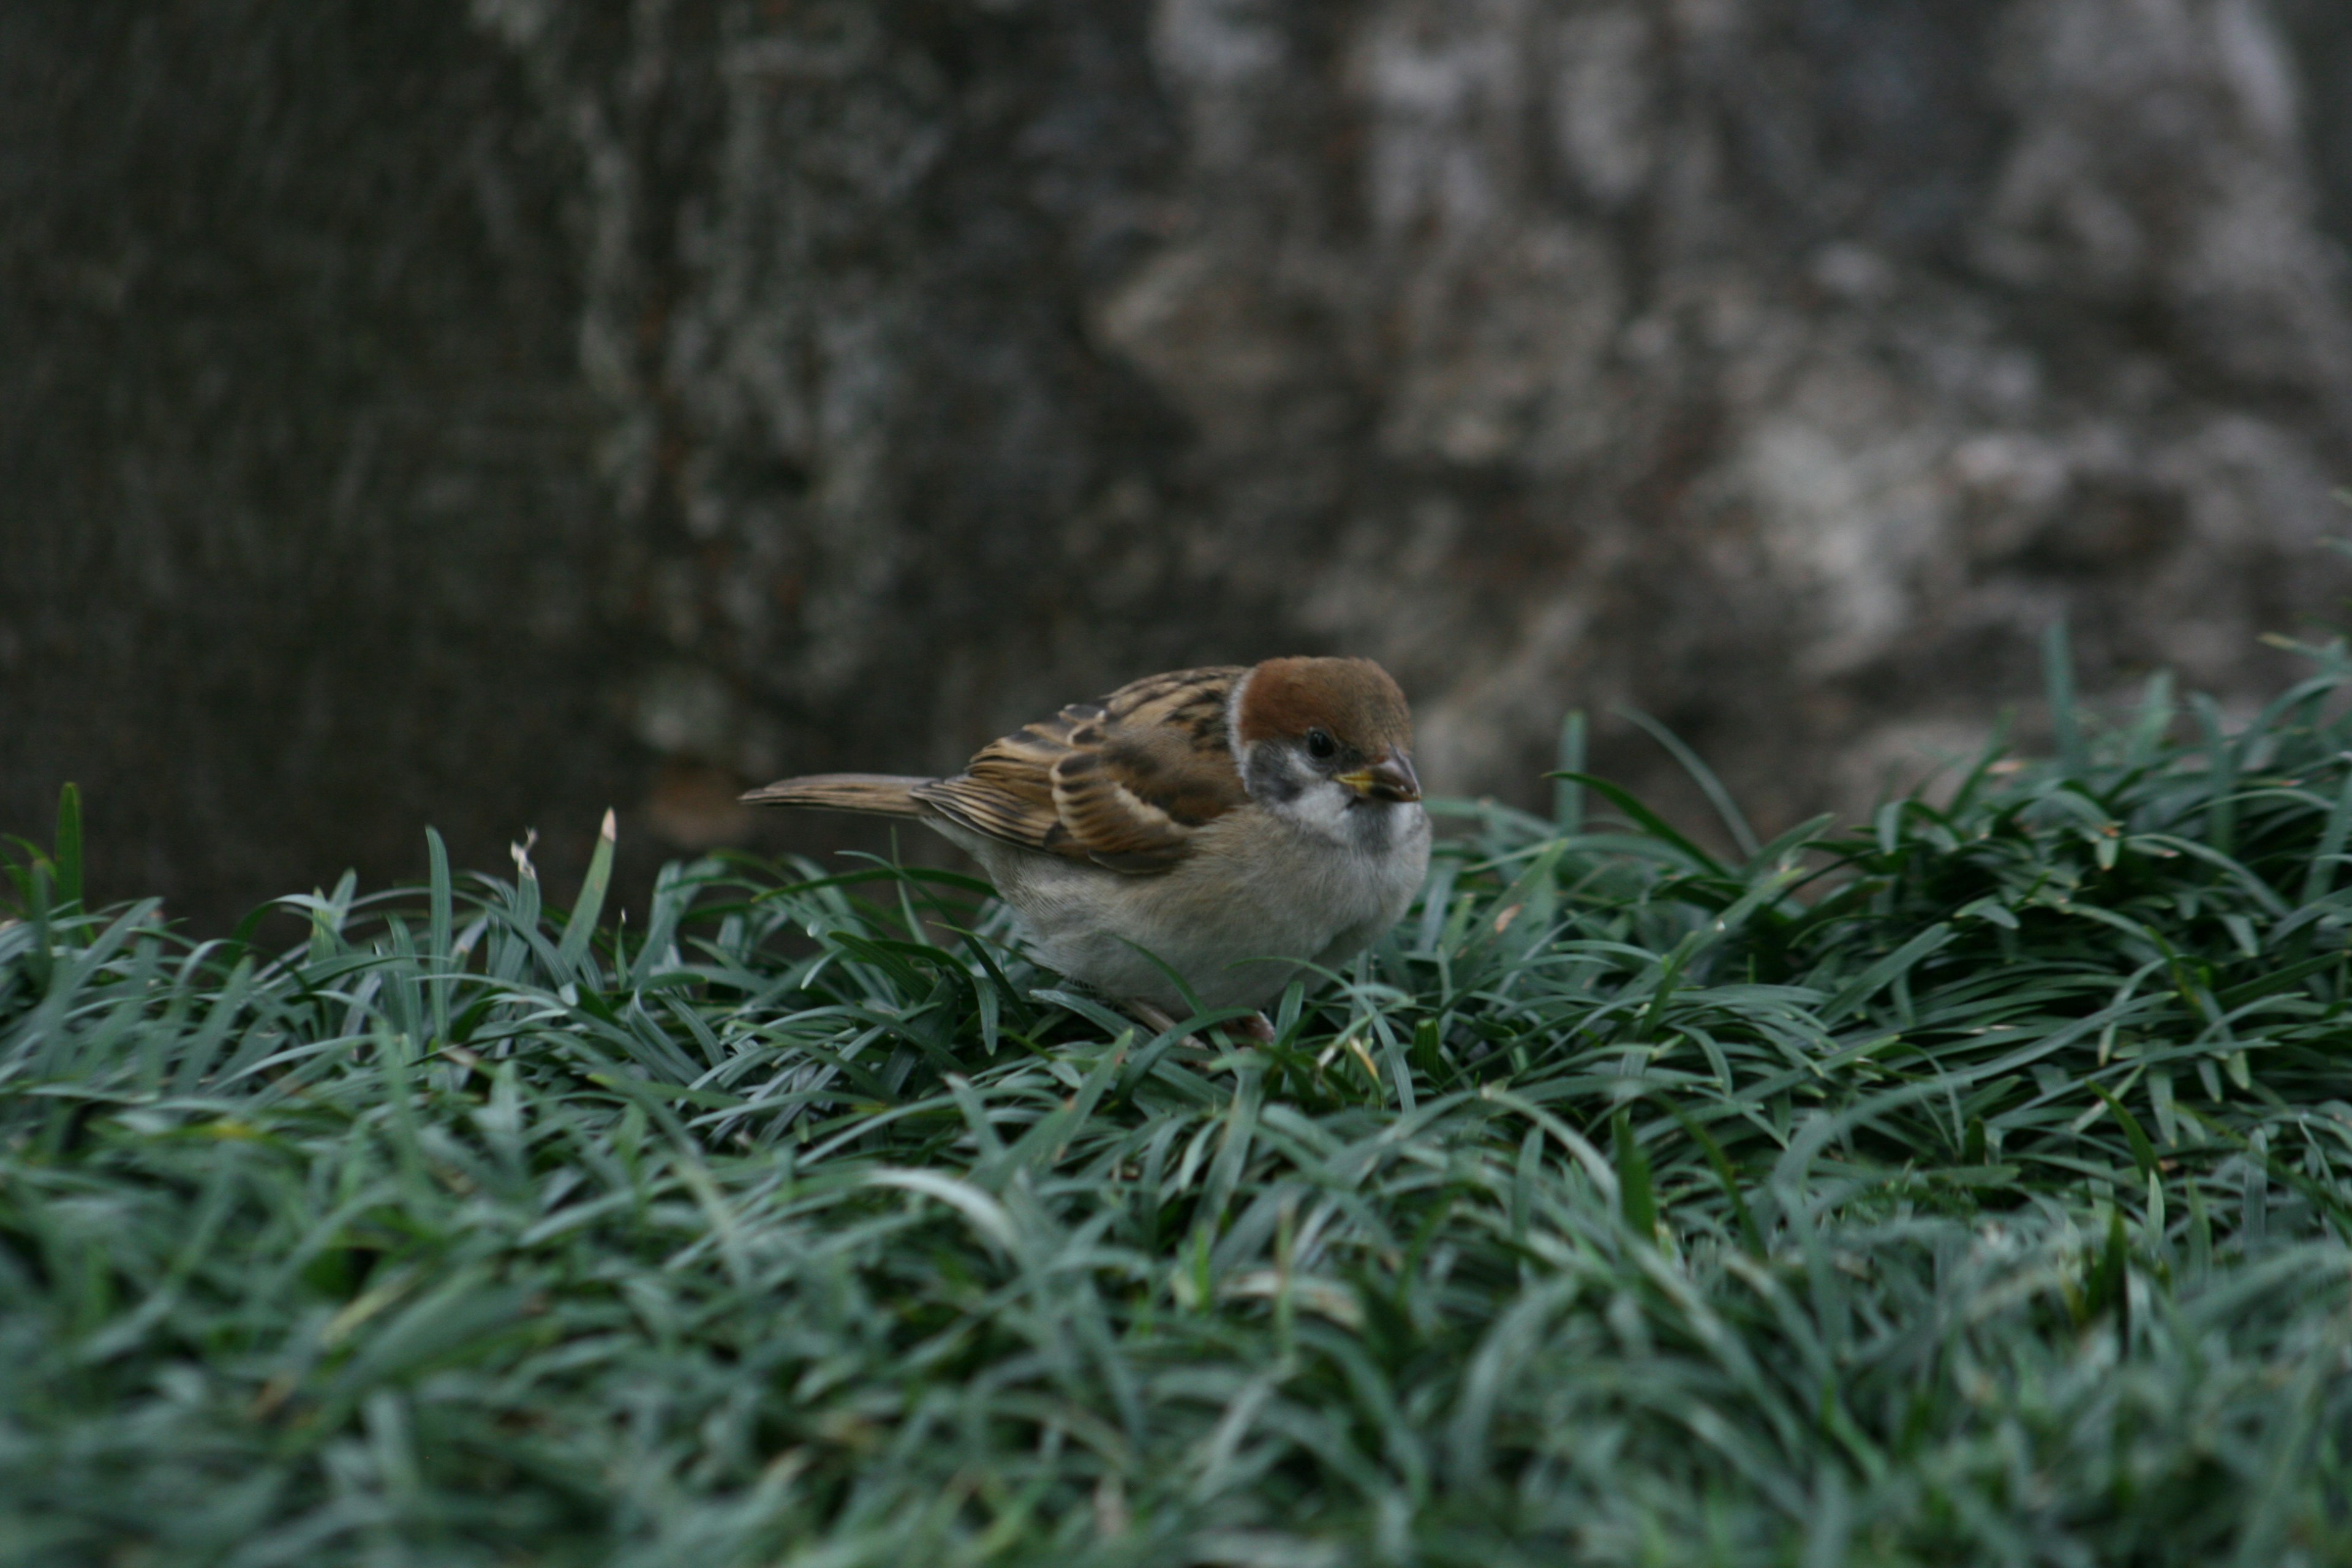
{"points": [[875, 794]]}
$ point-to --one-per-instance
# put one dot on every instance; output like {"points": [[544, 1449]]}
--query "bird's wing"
{"points": [[1124, 782]]}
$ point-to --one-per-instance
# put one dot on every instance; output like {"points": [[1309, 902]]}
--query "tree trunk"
{"points": [[481, 413]]}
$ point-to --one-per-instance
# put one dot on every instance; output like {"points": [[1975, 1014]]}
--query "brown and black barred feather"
{"points": [[1123, 782]]}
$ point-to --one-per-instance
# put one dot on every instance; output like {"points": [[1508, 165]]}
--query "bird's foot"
{"points": [[1252, 1027], [1156, 1020]]}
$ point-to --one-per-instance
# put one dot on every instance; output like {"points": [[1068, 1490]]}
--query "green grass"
{"points": [[1969, 1186]]}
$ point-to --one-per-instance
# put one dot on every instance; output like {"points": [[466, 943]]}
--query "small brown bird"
{"points": [[1233, 822]]}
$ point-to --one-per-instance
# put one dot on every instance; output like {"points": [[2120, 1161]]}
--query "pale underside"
{"points": [[1234, 918]]}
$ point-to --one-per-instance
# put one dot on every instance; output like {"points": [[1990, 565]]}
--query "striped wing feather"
{"points": [[1124, 782]]}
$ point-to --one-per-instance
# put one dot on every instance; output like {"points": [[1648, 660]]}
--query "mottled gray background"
{"points": [[481, 413]]}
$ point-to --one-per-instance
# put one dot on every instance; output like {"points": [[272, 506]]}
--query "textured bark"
{"points": [[303, 544], [481, 413]]}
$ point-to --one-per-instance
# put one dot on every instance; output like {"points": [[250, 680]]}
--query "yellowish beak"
{"points": [[1391, 778]]}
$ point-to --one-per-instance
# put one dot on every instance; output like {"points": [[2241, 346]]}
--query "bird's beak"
{"points": [[1391, 778]]}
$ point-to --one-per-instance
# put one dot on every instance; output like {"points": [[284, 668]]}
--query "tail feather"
{"points": [[877, 795]]}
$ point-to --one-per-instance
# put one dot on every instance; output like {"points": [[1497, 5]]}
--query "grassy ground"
{"points": [[1969, 1186]]}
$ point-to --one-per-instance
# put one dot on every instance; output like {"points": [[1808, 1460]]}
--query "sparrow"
{"points": [[1234, 823]]}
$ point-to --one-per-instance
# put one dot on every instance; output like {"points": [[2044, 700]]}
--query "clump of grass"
{"points": [[1972, 1185]]}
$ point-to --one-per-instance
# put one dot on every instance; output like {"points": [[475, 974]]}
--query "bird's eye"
{"points": [[1321, 746]]}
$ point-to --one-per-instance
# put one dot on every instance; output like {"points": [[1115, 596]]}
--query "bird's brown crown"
{"points": [[1354, 699]]}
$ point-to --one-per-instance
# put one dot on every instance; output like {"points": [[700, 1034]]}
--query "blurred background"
{"points": [[482, 413]]}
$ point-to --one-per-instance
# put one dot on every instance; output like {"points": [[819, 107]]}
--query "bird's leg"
{"points": [[1159, 1022], [1254, 1027]]}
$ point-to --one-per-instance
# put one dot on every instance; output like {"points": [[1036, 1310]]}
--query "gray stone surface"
{"points": [[483, 412]]}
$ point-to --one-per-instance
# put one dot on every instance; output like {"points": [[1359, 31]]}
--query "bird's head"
{"points": [[1325, 741]]}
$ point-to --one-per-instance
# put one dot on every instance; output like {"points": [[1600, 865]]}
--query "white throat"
{"points": [[1281, 781]]}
